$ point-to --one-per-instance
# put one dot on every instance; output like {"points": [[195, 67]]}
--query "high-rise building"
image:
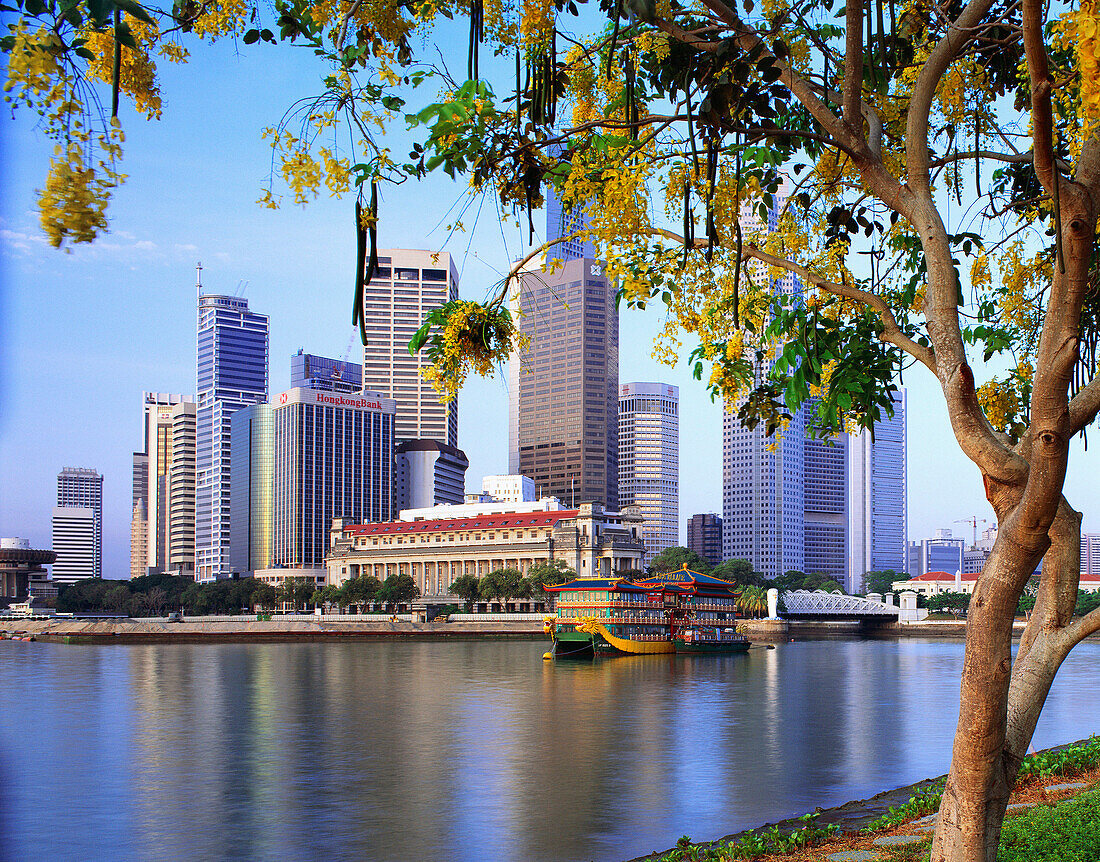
{"points": [[181, 489], [704, 537], [941, 553], [834, 506], [763, 501], [825, 501], [328, 375], [334, 458], [561, 223], [649, 460], [408, 284], [252, 488], [152, 468], [877, 498], [78, 525], [563, 389], [232, 373], [1090, 555], [139, 517], [429, 473]]}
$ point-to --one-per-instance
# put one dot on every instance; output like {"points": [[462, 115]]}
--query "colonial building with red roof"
{"points": [[591, 541], [932, 583]]}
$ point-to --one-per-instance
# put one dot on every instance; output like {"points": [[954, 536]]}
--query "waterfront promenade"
{"points": [[305, 627]]}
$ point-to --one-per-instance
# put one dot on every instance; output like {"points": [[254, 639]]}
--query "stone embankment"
{"points": [[278, 628]]}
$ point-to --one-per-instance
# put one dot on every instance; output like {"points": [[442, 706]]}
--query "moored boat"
{"points": [[682, 611]]}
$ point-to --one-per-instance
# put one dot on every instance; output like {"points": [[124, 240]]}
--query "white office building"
{"points": [[409, 283], [649, 460], [429, 473], [78, 525], [75, 541]]}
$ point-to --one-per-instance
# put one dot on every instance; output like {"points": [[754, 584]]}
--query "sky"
{"points": [[83, 333]]}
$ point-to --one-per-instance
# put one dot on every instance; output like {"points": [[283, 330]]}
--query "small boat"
{"points": [[680, 612]]}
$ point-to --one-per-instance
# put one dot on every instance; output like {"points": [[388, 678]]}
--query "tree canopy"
{"points": [[792, 180]]}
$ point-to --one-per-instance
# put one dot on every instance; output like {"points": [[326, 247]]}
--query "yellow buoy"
{"points": [[547, 656]]}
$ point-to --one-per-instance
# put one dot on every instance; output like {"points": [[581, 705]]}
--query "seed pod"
{"points": [[116, 68]]}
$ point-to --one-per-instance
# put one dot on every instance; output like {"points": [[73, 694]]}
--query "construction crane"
{"points": [[973, 521]]}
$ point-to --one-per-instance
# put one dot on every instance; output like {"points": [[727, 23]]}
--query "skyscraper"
{"points": [[705, 537], [328, 375], [181, 490], [825, 500], [877, 498], [649, 460], [152, 469], [563, 400], [563, 389], [232, 373], [78, 525], [252, 506], [833, 506], [408, 284], [334, 458], [139, 517], [1090, 555]]}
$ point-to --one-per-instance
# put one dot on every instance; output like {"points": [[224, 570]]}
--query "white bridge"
{"points": [[819, 604]]}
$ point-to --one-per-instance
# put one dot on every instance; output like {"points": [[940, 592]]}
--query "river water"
{"points": [[464, 751]]}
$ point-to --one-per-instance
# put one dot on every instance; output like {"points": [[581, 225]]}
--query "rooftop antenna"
{"points": [[198, 277], [242, 286]]}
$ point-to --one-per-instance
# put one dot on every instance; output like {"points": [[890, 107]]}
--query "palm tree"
{"points": [[752, 601]]}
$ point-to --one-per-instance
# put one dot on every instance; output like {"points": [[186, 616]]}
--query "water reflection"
{"points": [[462, 751]]}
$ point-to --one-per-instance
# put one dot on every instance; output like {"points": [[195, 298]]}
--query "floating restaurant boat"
{"points": [[678, 612]]}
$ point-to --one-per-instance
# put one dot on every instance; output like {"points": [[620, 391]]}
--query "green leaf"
{"points": [[252, 36]]}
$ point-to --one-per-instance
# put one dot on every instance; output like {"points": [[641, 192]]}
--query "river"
{"points": [[462, 751]]}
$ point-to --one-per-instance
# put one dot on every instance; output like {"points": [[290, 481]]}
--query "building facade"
{"points": [[407, 286], [21, 566], [878, 497], [78, 525], [1090, 555], [232, 366], [941, 553], [75, 543], [825, 505], [649, 460], [593, 542], [333, 459], [181, 490], [704, 537], [139, 515], [509, 489], [563, 429], [328, 375], [429, 473], [252, 488]]}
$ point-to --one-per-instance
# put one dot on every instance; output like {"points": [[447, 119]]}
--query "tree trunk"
{"points": [[1000, 702]]}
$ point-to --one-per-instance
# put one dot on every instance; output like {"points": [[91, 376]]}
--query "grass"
{"points": [[1068, 831]]}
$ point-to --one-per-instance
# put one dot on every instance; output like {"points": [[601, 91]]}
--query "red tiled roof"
{"points": [[944, 576], [484, 522]]}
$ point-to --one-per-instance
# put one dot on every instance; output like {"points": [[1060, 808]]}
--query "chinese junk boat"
{"points": [[678, 612]]}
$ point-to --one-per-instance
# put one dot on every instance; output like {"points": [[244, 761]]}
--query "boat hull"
{"points": [[712, 647], [574, 645]]}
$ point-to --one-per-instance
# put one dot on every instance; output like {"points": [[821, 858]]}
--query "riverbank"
{"points": [[276, 630], [880, 827]]}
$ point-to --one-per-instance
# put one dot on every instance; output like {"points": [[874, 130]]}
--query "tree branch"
{"points": [[1084, 406], [1038, 67], [924, 91], [852, 85], [891, 333]]}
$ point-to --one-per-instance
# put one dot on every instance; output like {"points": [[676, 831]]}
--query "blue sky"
{"points": [[82, 334]]}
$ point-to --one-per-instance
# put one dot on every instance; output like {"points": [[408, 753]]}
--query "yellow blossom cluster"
{"points": [[137, 70], [73, 204], [223, 18], [536, 25], [1079, 29], [1006, 403], [34, 76], [473, 338]]}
